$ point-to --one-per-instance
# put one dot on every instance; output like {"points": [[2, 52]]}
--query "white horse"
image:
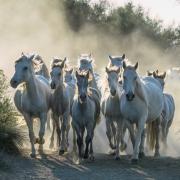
{"points": [[168, 107], [40, 67], [70, 82], [115, 62], [33, 99], [85, 115], [61, 104], [141, 103], [111, 111]]}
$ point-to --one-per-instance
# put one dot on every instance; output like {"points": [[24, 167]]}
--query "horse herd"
{"points": [[127, 101]]}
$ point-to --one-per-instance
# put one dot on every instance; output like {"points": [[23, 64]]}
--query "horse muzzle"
{"points": [[113, 92], [83, 98], [14, 83], [53, 85], [130, 96]]}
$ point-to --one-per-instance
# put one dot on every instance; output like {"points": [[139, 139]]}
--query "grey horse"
{"points": [[85, 114]]}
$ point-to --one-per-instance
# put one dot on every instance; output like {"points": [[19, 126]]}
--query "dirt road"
{"points": [[53, 167]]}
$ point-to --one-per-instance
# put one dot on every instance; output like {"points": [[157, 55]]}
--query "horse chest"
{"points": [[112, 107], [131, 111]]}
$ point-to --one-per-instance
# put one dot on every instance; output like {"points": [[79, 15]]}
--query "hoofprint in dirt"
{"points": [[53, 167]]}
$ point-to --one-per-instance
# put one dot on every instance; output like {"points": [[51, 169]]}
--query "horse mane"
{"points": [[95, 96], [85, 58], [56, 62]]}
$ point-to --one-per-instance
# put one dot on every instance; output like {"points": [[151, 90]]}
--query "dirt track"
{"points": [[54, 167]]}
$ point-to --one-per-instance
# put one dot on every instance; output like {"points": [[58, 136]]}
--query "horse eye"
{"points": [[135, 78], [25, 68], [59, 74], [124, 77]]}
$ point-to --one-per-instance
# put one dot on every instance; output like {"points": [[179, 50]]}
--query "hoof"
{"points": [[85, 156], [123, 147], [61, 152], [141, 155], [40, 141], [134, 161], [156, 155], [112, 153], [112, 146], [91, 158], [33, 155], [117, 158]]}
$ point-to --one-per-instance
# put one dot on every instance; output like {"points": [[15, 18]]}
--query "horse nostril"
{"points": [[83, 96], [113, 92], [53, 86]]}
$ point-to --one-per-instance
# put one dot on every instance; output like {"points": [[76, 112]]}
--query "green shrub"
{"points": [[11, 137]]}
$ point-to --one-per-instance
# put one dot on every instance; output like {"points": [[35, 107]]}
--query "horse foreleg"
{"points": [[89, 137], [74, 151], [118, 137], [64, 126], [157, 131], [138, 141], [51, 146], [141, 149], [41, 140], [29, 122], [109, 125]]}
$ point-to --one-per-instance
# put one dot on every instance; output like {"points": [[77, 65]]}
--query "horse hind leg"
{"points": [[157, 131], [91, 153]]}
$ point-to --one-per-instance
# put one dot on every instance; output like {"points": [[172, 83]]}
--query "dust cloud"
{"points": [[40, 27]]}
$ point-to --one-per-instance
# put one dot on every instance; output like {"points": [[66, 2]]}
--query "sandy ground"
{"points": [[53, 167]]}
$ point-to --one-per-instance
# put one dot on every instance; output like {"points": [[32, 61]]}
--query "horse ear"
{"points": [[157, 71], [77, 74], [87, 75], [149, 73], [136, 66], [71, 70], [110, 57], [154, 74], [90, 55], [22, 54], [31, 57], [164, 75], [63, 63], [107, 70], [123, 56], [124, 65]]}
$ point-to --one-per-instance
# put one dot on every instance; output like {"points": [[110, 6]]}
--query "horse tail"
{"points": [[151, 134]]}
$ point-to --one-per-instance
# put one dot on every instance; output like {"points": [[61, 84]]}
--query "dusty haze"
{"points": [[40, 27]]}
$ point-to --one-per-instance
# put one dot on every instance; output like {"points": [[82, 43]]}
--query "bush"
{"points": [[11, 137]]}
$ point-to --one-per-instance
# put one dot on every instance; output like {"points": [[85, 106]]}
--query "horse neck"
{"points": [[32, 89], [59, 90], [93, 82], [139, 90]]}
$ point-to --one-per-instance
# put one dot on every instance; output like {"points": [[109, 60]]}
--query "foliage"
{"points": [[122, 20], [11, 138]]}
